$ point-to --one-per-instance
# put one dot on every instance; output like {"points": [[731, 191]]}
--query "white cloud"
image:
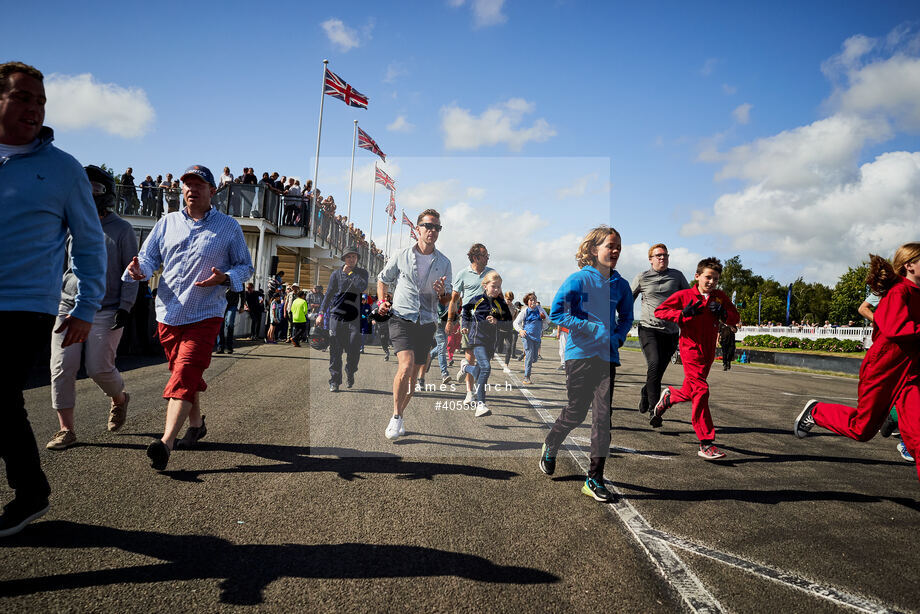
{"points": [[496, 125], [579, 187], [709, 66], [79, 101], [485, 12], [400, 124], [395, 70], [729, 90], [437, 193], [808, 196], [742, 113], [340, 35]]}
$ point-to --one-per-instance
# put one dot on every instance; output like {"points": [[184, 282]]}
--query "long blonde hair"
{"points": [[883, 275], [594, 238]]}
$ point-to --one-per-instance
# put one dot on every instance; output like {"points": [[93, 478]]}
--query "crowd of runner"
{"points": [[425, 311]]}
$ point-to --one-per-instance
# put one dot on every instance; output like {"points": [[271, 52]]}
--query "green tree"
{"points": [[848, 295], [810, 302]]}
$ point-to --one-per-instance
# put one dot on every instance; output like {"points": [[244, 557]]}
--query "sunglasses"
{"points": [[430, 226], [660, 255]]}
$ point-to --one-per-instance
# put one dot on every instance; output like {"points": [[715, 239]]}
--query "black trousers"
{"points": [[588, 384], [728, 353], [383, 331], [28, 335], [658, 347], [255, 324], [300, 332], [345, 337]]}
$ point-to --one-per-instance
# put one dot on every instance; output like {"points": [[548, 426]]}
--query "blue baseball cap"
{"points": [[201, 171]]}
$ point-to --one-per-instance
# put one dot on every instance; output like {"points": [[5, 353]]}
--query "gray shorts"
{"points": [[416, 338]]}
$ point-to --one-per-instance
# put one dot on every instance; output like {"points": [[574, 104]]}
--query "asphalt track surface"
{"points": [[295, 501]]}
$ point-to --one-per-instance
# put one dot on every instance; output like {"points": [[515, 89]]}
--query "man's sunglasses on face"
{"points": [[430, 226]]}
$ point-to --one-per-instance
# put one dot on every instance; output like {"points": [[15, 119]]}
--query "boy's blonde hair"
{"points": [[594, 238], [489, 277]]}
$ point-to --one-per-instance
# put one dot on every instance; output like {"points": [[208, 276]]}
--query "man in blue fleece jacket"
{"points": [[44, 193], [596, 305]]}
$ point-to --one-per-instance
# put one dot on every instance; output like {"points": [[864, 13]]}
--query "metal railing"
{"points": [[336, 236], [146, 202]]}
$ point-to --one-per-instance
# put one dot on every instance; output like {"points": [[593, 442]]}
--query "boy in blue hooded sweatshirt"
{"points": [[596, 305]]}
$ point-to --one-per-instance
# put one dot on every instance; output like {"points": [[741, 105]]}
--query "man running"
{"points": [[202, 251], [423, 274]]}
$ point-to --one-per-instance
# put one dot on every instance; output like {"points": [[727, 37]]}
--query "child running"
{"points": [[529, 325], [596, 305], [480, 321], [890, 372], [698, 312]]}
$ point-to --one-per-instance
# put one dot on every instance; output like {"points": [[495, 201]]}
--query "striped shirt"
{"points": [[187, 249]]}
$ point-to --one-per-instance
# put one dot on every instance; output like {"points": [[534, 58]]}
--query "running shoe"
{"points": [[395, 428], [527, 381], [446, 378], [193, 434], [805, 420], [596, 489], [333, 387], [118, 413], [349, 380], [710, 452], [889, 426], [905, 454], [643, 404], [664, 402], [461, 374], [62, 440], [547, 462], [17, 514], [158, 454], [482, 410], [468, 399]]}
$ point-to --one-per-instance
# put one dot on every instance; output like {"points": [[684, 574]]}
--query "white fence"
{"points": [[853, 333]]}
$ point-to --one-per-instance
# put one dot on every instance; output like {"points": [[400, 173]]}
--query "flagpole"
{"points": [[373, 197], [401, 230], [351, 180], [319, 131]]}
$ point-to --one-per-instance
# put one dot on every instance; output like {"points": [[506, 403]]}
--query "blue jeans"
{"points": [[225, 335], [531, 349], [480, 371], [440, 350]]}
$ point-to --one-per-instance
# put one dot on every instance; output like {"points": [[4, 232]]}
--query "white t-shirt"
{"points": [[423, 264], [7, 151]]}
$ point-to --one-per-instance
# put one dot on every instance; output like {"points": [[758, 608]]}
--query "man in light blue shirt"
{"points": [[468, 284], [421, 274], [44, 195], [202, 251]]}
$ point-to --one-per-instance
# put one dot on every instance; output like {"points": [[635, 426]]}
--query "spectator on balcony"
{"points": [[266, 181], [148, 196], [31, 262], [291, 204], [249, 177], [277, 182], [226, 177], [128, 194], [163, 186], [172, 196]]}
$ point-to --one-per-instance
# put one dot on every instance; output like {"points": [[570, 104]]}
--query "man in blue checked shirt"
{"points": [[202, 251]]}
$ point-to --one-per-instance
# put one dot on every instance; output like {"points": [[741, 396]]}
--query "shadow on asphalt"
{"points": [[767, 497], [246, 570], [349, 465]]}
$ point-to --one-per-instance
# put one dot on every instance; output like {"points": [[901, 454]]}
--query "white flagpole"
{"points": [[401, 229], [373, 197], [319, 131], [351, 180]]}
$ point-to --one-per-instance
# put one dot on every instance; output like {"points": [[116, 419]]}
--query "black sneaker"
{"points": [[17, 514], [664, 402], [643, 402], [805, 421], [158, 454], [596, 489], [333, 387], [888, 427], [192, 435], [547, 461], [349, 381]]}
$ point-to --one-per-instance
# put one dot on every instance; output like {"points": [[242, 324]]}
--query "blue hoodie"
{"points": [[43, 195], [597, 310]]}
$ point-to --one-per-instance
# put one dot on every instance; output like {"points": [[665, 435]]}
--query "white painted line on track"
{"points": [[776, 575], [675, 572], [657, 544]]}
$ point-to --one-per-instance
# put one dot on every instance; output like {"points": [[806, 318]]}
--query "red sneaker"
{"points": [[710, 452]]}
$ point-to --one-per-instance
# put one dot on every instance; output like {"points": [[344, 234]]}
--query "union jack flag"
{"points": [[407, 221], [335, 87], [384, 180], [391, 208], [366, 142], [412, 234]]}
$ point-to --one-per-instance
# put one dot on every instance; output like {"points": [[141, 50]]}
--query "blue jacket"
{"points": [[473, 317], [43, 195], [597, 310]]}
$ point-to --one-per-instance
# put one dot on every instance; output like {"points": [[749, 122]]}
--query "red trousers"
{"points": [[695, 389], [188, 349], [885, 379]]}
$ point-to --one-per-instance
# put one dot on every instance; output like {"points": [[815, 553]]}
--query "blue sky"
{"points": [[785, 132]]}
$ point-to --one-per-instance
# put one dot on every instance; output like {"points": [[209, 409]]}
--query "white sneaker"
{"points": [[482, 410], [395, 428], [461, 374], [468, 400]]}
